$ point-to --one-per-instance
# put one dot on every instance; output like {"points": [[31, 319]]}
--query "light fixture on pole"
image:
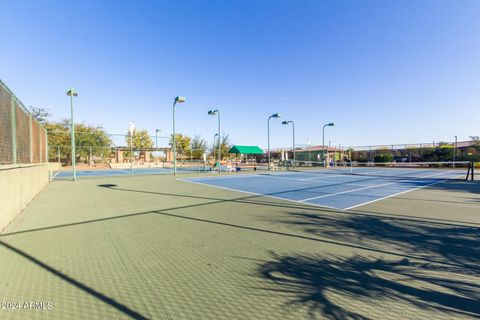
{"points": [[72, 94], [216, 112], [178, 99], [275, 115], [293, 127], [323, 140], [131, 131]]}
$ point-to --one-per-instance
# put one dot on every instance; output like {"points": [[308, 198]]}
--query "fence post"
{"points": [[31, 136], [39, 143], [46, 145], [14, 131]]}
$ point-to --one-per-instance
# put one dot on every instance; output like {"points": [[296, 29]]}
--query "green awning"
{"points": [[245, 150]]}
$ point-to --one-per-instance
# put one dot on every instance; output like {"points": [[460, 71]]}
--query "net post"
{"points": [[473, 171], [470, 173]]}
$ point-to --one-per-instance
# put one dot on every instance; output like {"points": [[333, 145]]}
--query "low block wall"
{"points": [[19, 184]]}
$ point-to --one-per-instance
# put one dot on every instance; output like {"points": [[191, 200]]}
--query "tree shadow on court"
{"points": [[439, 242], [467, 187], [324, 285]]}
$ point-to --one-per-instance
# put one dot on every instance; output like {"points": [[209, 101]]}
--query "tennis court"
{"points": [[338, 188], [160, 247], [68, 174]]}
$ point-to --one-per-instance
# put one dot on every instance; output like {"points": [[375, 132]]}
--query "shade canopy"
{"points": [[245, 150]]}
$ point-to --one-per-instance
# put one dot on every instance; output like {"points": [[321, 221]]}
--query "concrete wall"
{"points": [[19, 184]]}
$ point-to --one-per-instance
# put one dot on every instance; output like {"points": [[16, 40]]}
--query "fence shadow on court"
{"points": [[309, 281]]}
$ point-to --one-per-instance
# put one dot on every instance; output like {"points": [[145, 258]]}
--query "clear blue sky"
{"points": [[384, 71]]}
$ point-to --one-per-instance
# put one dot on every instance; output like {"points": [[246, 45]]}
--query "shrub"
{"points": [[383, 157]]}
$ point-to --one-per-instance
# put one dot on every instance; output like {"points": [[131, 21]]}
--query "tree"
{"points": [[182, 143], [40, 114], [444, 151], [198, 146], [90, 141], [383, 157], [475, 142], [141, 141], [225, 146]]}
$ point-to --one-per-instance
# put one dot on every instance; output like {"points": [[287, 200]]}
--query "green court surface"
{"points": [[154, 247]]}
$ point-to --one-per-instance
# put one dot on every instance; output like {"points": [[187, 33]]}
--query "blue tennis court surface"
{"points": [[334, 188]]}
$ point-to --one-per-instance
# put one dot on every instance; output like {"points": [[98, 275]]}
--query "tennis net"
{"points": [[451, 170]]}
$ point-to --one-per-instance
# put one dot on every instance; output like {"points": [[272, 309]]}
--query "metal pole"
{"points": [[293, 126], [214, 138], [323, 145], [14, 131], [219, 145], [72, 136], [454, 151], [275, 115], [268, 141], [309, 151], [131, 153], [174, 145]]}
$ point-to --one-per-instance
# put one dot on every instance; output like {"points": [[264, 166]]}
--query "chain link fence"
{"points": [[22, 139], [415, 152]]}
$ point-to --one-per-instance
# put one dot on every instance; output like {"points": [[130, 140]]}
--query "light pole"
{"points": [[216, 112], [214, 139], [309, 158], [131, 129], [156, 139], [275, 115], [72, 94], [156, 144], [323, 141], [293, 145], [455, 151], [178, 99]]}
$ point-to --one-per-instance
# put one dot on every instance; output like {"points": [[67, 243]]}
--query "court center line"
{"points": [[370, 187]]}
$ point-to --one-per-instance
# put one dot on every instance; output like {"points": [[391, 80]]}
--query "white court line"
{"points": [[126, 171], [255, 193], [221, 177], [366, 173], [325, 177], [399, 193], [370, 187], [304, 179]]}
